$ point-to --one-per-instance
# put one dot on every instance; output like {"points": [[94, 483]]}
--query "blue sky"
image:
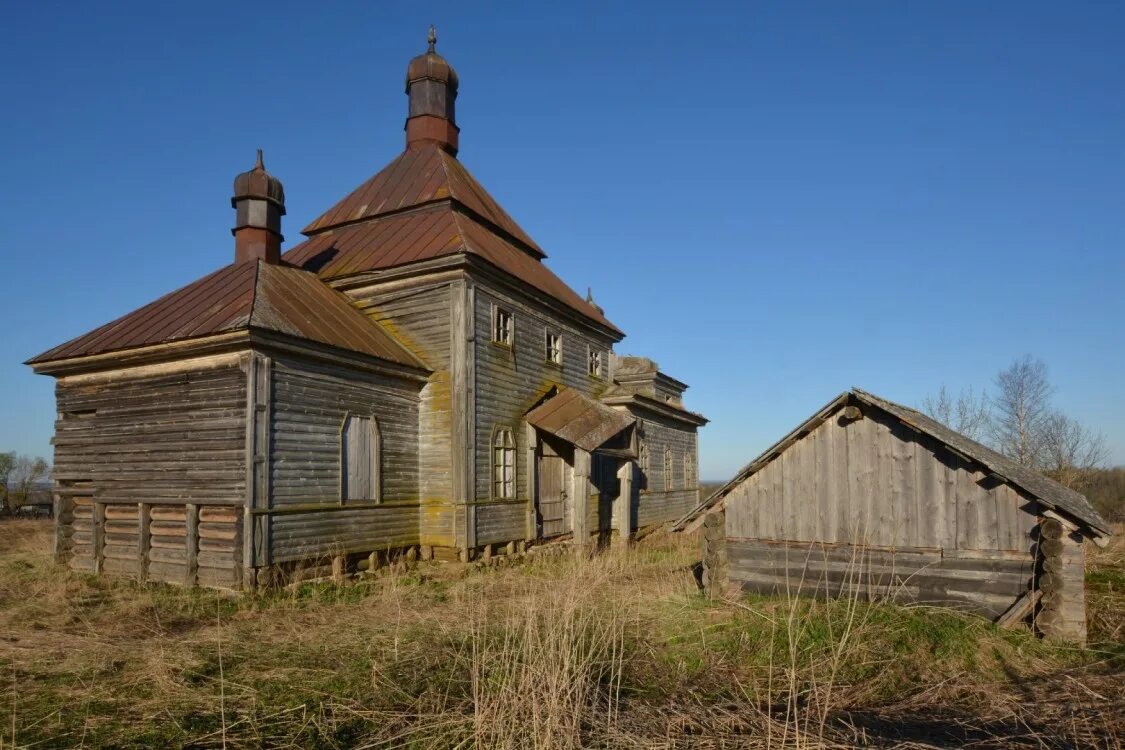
{"points": [[774, 200]]}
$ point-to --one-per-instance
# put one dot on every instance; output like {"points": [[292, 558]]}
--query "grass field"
{"points": [[618, 651]]}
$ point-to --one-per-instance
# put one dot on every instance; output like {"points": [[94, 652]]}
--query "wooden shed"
{"points": [[871, 497]]}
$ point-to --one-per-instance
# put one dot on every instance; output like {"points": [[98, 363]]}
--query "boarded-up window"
{"points": [[503, 465], [359, 458], [689, 471]]}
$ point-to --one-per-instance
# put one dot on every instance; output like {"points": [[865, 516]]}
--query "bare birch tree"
{"points": [[1021, 408], [1070, 451], [967, 413]]}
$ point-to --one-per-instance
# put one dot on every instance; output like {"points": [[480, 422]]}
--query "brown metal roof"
{"points": [[579, 419], [1044, 489], [417, 177], [253, 295], [431, 232]]}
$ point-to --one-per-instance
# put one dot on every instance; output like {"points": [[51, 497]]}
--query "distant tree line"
{"points": [[1020, 421], [19, 476]]}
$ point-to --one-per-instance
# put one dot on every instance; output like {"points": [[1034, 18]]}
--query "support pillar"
{"points": [[580, 500], [623, 503]]}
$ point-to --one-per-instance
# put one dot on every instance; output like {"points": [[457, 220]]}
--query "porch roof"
{"points": [[579, 419]]}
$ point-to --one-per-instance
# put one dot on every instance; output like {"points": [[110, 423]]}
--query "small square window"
{"points": [[501, 326], [554, 348], [594, 363]]}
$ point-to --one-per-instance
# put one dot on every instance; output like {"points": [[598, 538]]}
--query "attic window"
{"points": [[501, 326], [594, 362], [553, 346]]}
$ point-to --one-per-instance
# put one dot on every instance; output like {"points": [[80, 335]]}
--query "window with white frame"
{"points": [[501, 326], [359, 458], [594, 362], [667, 469], [553, 347], [503, 465]]}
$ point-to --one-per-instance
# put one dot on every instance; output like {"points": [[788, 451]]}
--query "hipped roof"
{"points": [[578, 419], [249, 295], [426, 205], [1045, 490]]}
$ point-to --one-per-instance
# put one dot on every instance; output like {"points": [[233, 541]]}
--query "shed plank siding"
{"points": [[421, 319], [891, 487], [170, 438], [655, 505], [310, 402], [509, 381], [983, 584]]}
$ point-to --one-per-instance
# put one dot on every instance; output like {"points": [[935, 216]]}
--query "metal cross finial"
{"points": [[260, 165], [432, 39]]}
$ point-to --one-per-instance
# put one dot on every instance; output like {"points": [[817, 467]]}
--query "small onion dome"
{"points": [[431, 65], [258, 183]]}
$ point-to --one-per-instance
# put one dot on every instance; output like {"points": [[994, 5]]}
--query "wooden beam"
{"points": [[1020, 609]]}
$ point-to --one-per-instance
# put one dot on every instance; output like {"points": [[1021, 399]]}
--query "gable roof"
{"points": [[1045, 490], [251, 295], [431, 232], [578, 419], [417, 177]]}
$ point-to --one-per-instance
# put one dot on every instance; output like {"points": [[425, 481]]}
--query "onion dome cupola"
{"points": [[259, 203], [431, 85]]}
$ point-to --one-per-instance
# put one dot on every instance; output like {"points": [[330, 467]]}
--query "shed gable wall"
{"points": [[875, 481]]}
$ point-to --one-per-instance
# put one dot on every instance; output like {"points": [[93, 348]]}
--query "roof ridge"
{"points": [[254, 298]]}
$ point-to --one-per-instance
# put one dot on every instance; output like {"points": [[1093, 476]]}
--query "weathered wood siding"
{"points": [[508, 381], [656, 504], [969, 581], [875, 507], [420, 317], [309, 403], [874, 481], [139, 453]]}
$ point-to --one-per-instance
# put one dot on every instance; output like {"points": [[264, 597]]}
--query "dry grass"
{"points": [[617, 651]]}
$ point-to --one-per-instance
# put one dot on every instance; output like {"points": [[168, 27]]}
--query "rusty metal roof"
{"points": [[436, 230], [417, 177], [579, 419], [253, 295]]}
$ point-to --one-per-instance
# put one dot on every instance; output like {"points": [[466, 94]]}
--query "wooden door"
{"points": [[552, 500]]}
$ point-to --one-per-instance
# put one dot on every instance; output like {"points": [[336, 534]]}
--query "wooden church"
{"points": [[411, 379]]}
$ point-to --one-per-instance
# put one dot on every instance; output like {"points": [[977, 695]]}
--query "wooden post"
{"points": [[580, 500], [99, 536], [715, 569], [144, 541], [191, 575], [338, 570], [623, 504]]}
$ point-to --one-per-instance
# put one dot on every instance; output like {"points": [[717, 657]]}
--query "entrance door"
{"points": [[553, 502]]}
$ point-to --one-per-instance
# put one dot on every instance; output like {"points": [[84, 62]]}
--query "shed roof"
{"points": [[579, 419], [250, 295], [1045, 490]]}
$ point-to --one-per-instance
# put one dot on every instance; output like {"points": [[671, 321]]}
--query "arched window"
{"points": [[359, 458], [503, 465], [667, 469]]}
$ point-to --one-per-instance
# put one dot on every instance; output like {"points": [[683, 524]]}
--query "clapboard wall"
{"points": [[309, 401], [663, 497], [872, 503], [149, 468], [507, 382]]}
